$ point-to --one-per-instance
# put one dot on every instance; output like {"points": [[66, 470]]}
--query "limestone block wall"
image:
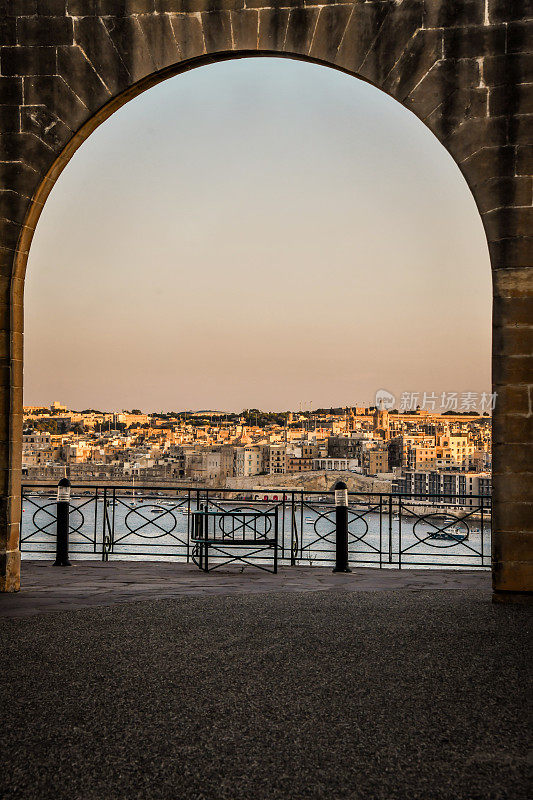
{"points": [[464, 67]]}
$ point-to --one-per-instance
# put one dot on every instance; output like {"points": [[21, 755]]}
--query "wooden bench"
{"points": [[228, 533]]}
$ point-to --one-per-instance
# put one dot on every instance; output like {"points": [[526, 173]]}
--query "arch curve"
{"points": [[448, 61]]}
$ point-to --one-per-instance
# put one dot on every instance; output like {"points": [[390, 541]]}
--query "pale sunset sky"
{"points": [[257, 233]]}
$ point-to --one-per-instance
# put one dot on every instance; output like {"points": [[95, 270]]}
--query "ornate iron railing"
{"points": [[384, 530]]}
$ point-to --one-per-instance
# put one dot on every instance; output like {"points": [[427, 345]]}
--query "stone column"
{"points": [[10, 433], [512, 520]]}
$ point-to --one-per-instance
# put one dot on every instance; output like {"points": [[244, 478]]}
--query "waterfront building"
{"points": [[248, 460], [458, 486], [336, 464]]}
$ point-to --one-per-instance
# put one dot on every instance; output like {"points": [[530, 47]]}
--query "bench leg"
{"points": [[206, 557]]}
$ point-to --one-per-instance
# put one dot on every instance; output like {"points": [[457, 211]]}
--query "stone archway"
{"points": [[462, 66]]}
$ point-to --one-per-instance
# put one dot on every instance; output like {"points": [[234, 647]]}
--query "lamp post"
{"points": [[341, 528], [62, 515]]}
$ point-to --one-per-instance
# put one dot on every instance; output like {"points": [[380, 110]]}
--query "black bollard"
{"points": [[341, 528], [63, 511]]}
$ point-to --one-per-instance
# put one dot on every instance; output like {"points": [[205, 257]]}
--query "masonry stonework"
{"points": [[464, 67]]}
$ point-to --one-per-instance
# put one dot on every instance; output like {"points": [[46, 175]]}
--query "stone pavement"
{"points": [[94, 583]]}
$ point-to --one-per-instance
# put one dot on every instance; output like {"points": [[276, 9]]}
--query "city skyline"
{"points": [[409, 402], [200, 281]]}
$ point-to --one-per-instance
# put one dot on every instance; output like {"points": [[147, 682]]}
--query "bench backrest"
{"points": [[242, 525]]}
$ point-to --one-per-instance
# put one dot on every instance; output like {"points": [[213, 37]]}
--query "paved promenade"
{"points": [[93, 583], [155, 681]]}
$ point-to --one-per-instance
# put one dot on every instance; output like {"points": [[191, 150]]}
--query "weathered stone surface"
{"points": [[329, 31], [217, 31], [41, 30], [474, 134], [465, 67], [513, 458], [448, 94], [514, 544], [514, 340], [92, 36], [78, 73], [520, 37], [424, 50], [10, 571], [58, 97], [45, 125], [366, 19], [399, 27], [20, 178], [245, 27], [300, 30], [441, 13], [508, 10], [28, 60], [10, 118], [13, 206], [160, 39], [508, 70], [514, 429], [503, 223], [189, 34], [477, 41], [11, 90], [520, 101], [272, 29], [511, 576], [512, 253], [129, 41], [512, 311]]}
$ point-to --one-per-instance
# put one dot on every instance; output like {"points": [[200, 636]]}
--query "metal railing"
{"points": [[384, 530]]}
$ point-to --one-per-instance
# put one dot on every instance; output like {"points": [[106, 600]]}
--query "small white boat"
{"points": [[309, 519]]}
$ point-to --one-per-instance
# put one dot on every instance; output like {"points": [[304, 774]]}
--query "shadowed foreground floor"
{"points": [[325, 694]]}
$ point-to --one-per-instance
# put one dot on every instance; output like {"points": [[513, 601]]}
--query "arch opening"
{"points": [[327, 244], [349, 185]]}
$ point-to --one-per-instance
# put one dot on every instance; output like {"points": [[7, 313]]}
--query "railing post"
{"points": [[21, 516], [282, 525], [199, 533], [380, 531], [62, 522], [275, 539], [189, 514], [390, 528], [341, 528], [104, 524], [294, 532], [112, 545], [95, 532], [206, 536]]}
